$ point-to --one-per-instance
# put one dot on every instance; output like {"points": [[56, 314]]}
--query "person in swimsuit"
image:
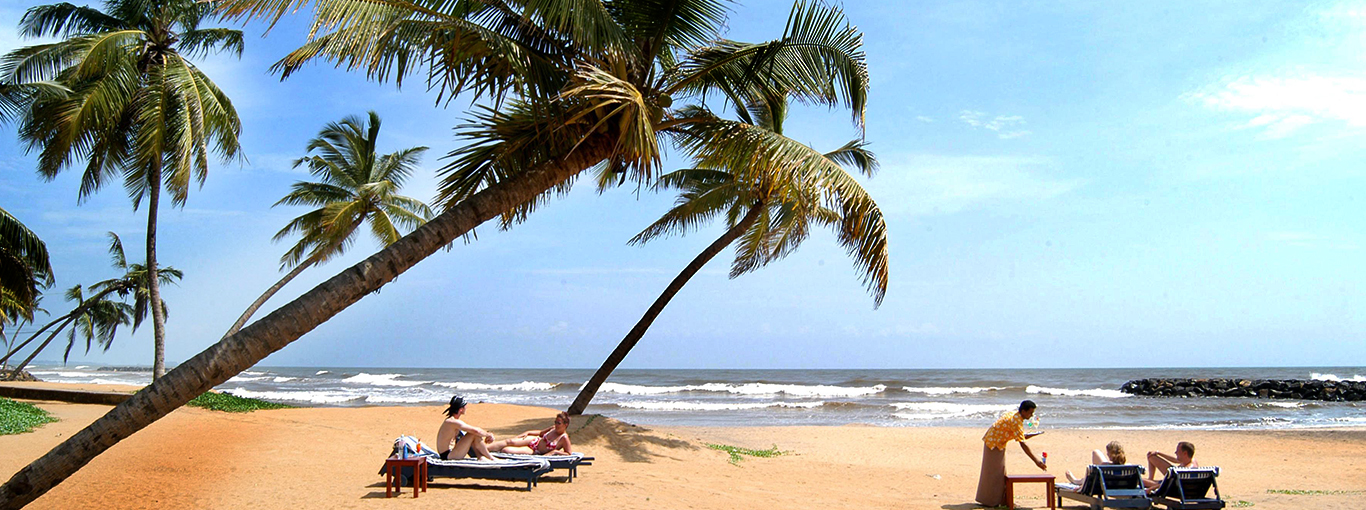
{"points": [[1113, 455], [551, 441], [1160, 462], [456, 439]]}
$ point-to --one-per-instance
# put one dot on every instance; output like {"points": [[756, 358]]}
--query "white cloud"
{"points": [[928, 185], [1280, 106], [924, 118], [1006, 127]]}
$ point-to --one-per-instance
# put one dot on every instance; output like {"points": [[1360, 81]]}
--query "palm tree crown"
{"points": [[356, 186], [130, 103]]}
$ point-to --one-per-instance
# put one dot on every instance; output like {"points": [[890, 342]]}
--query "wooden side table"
{"points": [[1011, 480], [393, 475]]}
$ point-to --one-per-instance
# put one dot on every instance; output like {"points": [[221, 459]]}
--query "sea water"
{"points": [[1067, 398]]}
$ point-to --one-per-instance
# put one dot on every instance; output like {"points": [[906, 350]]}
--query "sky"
{"points": [[1066, 184]]}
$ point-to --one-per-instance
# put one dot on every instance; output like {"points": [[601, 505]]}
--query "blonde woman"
{"points": [[1113, 455]]}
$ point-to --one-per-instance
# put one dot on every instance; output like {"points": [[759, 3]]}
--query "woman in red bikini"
{"points": [[551, 441]]}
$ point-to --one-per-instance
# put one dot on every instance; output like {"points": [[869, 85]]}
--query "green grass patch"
{"points": [[232, 404], [1296, 492], [1240, 504], [18, 417], [736, 452]]}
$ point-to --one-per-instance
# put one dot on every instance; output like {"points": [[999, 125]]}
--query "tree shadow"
{"points": [[632, 442]]}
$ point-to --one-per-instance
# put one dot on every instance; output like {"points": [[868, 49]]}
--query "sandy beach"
{"points": [[329, 457]]}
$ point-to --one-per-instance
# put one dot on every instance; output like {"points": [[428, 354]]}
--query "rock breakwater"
{"points": [[1335, 391]]}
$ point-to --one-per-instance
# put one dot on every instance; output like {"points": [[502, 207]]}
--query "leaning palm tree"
{"points": [[97, 317], [357, 186], [137, 107], [576, 84], [769, 210]]}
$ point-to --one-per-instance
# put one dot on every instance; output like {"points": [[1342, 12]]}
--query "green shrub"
{"points": [[18, 417], [736, 452], [232, 404]]}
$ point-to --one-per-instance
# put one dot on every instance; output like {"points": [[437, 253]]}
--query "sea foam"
{"points": [[952, 390], [315, 397], [382, 380], [749, 389], [1330, 377], [716, 406], [1064, 392], [522, 386], [944, 410]]}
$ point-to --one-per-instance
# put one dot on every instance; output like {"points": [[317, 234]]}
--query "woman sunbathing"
{"points": [[551, 441], [1113, 455]]}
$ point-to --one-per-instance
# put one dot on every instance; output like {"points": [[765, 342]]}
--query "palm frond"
{"points": [[818, 60], [204, 42], [64, 20]]}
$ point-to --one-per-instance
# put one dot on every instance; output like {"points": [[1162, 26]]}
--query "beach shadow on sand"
{"points": [[434, 485], [632, 442], [965, 506]]}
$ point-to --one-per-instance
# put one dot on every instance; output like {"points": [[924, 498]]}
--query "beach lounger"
{"points": [[1108, 487], [1189, 488], [570, 462], [528, 470]]}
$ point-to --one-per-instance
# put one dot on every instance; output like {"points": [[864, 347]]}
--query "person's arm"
{"points": [[1036, 460], [1169, 458], [530, 433], [564, 445], [471, 429]]}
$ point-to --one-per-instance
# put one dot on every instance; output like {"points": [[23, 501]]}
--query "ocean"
{"points": [[1067, 398]]}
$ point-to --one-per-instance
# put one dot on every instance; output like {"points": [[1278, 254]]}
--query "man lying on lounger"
{"points": [[1157, 461], [457, 438]]}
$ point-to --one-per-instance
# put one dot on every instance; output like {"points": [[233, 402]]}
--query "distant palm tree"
{"points": [[97, 318], [136, 106], [24, 269], [573, 84], [769, 209], [358, 186]]}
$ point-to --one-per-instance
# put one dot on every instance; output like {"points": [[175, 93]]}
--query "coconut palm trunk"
{"points": [[256, 305], [590, 389], [253, 343], [63, 320], [299, 268], [14, 374], [153, 285]]}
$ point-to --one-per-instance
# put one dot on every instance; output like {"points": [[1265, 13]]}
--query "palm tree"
{"points": [[769, 210], [358, 186], [137, 106], [575, 83], [98, 317], [24, 269]]}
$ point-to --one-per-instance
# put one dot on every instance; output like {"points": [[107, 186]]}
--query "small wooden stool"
{"points": [[393, 475], [1011, 480]]}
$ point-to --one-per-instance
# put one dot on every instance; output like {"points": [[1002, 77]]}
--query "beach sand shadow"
{"points": [[632, 442], [435, 484], [965, 506]]}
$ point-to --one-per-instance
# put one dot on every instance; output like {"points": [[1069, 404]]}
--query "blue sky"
{"points": [[1069, 184]]}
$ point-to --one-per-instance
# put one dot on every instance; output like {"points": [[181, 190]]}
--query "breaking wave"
{"points": [[749, 389], [1064, 392]]}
